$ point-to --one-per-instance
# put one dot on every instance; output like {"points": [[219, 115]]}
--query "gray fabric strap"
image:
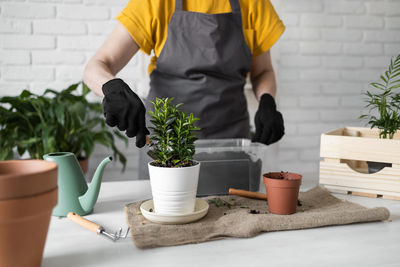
{"points": [[178, 4], [235, 6]]}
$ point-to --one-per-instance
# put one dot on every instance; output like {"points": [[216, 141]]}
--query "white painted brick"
{"points": [[38, 87], [353, 101], [12, 88], [298, 88], [320, 48], [288, 75], [33, 11], [101, 27], [377, 62], [58, 57], [106, 2], [46, 1], [14, 57], [312, 102], [316, 128], [383, 8], [363, 49], [58, 27], [319, 75], [392, 22], [287, 155], [115, 11], [26, 73], [363, 75], [344, 7], [392, 49], [300, 6], [69, 73], [342, 35], [80, 42], [299, 166], [342, 115], [15, 26], [290, 128], [83, 12], [310, 154], [294, 33], [299, 142], [364, 22], [320, 20], [342, 88], [299, 61], [288, 102], [299, 115], [290, 19], [288, 47], [342, 62], [387, 36], [27, 41]]}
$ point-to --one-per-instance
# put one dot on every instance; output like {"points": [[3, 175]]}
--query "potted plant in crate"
{"points": [[345, 151], [386, 103], [54, 121], [173, 173]]}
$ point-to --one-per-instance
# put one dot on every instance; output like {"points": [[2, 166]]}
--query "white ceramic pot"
{"points": [[174, 189]]}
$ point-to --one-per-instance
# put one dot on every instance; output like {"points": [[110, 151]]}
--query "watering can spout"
{"points": [[90, 197]]}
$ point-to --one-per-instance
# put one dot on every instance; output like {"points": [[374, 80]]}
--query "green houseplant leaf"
{"points": [[54, 121], [386, 102], [172, 138]]}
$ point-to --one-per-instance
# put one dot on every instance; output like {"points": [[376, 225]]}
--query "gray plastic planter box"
{"points": [[225, 163]]}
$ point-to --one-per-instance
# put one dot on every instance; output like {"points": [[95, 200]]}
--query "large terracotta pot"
{"points": [[84, 163], [282, 191], [28, 193]]}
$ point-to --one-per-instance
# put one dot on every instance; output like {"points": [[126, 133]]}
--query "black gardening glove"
{"points": [[124, 109], [268, 121]]}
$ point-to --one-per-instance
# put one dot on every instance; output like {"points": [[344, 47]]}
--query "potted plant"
{"points": [[54, 121], [386, 103], [173, 173], [282, 191]]}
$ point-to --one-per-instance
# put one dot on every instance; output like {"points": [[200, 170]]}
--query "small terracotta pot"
{"points": [[283, 193], [25, 210], [84, 163]]}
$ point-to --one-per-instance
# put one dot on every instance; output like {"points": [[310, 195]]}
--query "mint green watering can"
{"points": [[73, 192]]}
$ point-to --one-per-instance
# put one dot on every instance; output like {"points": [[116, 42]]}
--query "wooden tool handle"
{"points": [[248, 194], [91, 226], [148, 140]]}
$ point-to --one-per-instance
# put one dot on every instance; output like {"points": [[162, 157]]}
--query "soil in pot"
{"points": [[282, 191], [374, 167]]}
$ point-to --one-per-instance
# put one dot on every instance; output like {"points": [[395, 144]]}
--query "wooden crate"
{"points": [[344, 169]]}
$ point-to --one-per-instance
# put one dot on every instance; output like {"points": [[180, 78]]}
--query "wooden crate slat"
{"points": [[346, 190], [366, 147]]}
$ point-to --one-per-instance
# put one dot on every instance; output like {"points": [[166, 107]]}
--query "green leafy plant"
{"points": [[386, 101], [54, 121], [172, 138]]}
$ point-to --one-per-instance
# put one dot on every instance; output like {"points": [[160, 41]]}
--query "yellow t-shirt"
{"points": [[147, 22]]}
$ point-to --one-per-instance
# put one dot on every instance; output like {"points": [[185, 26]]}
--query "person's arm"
{"points": [[268, 120], [109, 59], [262, 75]]}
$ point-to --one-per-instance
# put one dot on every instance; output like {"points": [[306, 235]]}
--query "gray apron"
{"points": [[203, 64]]}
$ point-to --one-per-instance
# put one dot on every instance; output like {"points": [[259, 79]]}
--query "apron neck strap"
{"points": [[235, 6], [178, 4]]}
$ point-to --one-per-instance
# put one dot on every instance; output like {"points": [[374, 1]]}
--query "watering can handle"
{"points": [[91, 226]]}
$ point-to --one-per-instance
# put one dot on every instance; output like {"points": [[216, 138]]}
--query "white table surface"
{"points": [[366, 244]]}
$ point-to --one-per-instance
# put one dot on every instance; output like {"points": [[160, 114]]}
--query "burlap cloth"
{"points": [[319, 208]]}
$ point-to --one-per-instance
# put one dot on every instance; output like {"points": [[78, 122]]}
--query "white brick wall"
{"points": [[329, 53]]}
